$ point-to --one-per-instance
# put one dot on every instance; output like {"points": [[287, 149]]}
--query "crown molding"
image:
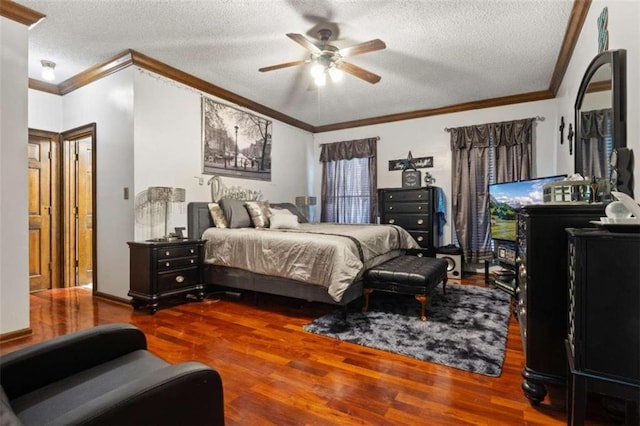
{"points": [[571, 35], [19, 13], [96, 72], [466, 106], [43, 86]]}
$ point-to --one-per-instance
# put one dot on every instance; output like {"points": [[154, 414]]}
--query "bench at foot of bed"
{"points": [[412, 275]]}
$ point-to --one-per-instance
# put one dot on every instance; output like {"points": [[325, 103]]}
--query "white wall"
{"points": [[426, 137], [14, 246], [108, 102], [624, 33], [168, 150], [45, 111]]}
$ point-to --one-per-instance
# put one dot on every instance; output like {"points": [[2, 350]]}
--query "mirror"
{"points": [[600, 112]]}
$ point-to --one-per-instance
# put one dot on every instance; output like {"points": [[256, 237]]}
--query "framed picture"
{"points": [[235, 142], [411, 179]]}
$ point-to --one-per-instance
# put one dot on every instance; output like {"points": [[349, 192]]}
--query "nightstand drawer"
{"points": [[171, 252], [409, 221], [423, 238], [181, 262], [407, 207], [178, 279], [413, 195]]}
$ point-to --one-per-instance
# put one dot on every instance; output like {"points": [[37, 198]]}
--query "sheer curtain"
{"points": [[509, 146], [349, 181]]}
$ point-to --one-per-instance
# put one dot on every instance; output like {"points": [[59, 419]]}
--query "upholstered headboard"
{"points": [[199, 217]]}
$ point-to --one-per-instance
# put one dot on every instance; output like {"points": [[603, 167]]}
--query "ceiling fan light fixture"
{"points": [[320, 79], [317, 70], [335, 74], [48, 68]]}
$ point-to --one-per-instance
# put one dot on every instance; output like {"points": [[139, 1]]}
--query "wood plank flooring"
{"points": [[275, 373]]}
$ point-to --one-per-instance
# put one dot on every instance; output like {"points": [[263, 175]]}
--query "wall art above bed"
{"points": [[235, 142]]}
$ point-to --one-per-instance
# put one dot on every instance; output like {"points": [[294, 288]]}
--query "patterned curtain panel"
{"points": [[349, 181], [597, 142], [509, 145]]}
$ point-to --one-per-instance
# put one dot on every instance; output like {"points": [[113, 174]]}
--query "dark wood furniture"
{"points": [[603, 339], [164, 269], [412, 209], [542, 296], [414, 275]]}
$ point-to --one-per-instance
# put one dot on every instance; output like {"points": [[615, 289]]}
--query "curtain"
{"points": [[595, 129], [509, 146], [349, 181]]}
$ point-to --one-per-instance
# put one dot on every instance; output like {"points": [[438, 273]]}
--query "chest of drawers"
{"points": [[164, 269], [412, 209]]}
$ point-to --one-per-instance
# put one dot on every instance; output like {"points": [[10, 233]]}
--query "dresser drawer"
{"points": [[178, 279], [409, 221], [413, 195], [423, 238], [417, 207], [177, 263], [171, 252]]}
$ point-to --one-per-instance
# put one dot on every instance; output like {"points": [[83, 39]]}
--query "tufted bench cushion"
{"points": [[413, 275]]}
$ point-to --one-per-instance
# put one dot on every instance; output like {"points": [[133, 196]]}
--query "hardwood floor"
{"points": [[274, 373]]}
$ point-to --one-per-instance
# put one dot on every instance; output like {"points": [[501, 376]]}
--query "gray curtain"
{"points": [[349, 181], [595, 129], [509, 144]]}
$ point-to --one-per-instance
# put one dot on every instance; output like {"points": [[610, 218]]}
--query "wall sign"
{"points": [[418, 163]]}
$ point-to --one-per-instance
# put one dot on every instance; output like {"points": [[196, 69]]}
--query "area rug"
{"points": [[465, 329]]}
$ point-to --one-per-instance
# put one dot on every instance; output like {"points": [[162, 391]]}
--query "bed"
{"points": [[324, 262]]}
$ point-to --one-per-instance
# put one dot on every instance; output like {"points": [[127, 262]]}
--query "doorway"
{"points": [[62, 188]]}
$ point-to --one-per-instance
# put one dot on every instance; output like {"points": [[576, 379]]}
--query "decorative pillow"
{"points": [[276, 210], [259, 212], [284, 221], [235, 212], [218, 215]]}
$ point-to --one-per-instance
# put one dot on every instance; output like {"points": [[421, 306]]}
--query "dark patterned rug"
{"points": [[465, 329]]}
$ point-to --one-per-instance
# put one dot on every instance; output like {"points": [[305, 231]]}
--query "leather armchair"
{"points": [[105, 375]]}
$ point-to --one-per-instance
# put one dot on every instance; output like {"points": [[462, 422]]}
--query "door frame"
{"points": [[88, 130]]}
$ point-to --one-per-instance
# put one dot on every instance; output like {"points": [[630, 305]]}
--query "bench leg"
{"points": [[423, 301], [366, 292]]}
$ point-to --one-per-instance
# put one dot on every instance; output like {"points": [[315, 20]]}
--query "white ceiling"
{"points": [[439, 52]]}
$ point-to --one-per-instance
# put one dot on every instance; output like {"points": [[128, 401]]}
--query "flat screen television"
{"points": [[506, 199]]}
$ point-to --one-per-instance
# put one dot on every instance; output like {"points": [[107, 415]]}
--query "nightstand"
{"points": [[164, 270]]}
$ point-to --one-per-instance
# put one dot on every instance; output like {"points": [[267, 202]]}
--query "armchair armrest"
{"points": [[40, 364], [186, 393]]}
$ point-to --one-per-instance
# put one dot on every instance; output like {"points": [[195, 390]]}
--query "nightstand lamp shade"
{"points": [[162, 196], [304, 203]]}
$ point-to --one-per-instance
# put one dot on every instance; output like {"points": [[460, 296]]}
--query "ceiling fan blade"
{"points": [[285, 65], [358, 72], [304, 42], [367, 46]]}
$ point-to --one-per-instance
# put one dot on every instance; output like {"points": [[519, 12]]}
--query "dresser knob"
{"points": [[420, 221], [419, 207], [167, 253], [179, 279], [167, 264], [419, 255], [392, 221], [419, 195], [192, 251], [420, 238], [390, 196], [390, 207], [192, 261]]}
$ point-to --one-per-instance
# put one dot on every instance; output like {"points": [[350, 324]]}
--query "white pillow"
{"points": [[281, 212], [284, 221]]}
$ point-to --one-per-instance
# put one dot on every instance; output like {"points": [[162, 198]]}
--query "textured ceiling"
{"points": [[439, 52]]}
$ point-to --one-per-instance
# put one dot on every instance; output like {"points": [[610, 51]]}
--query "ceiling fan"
{"points": [[327, 59]]}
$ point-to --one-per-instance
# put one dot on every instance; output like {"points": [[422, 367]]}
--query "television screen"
{"points": [[506, 199]]}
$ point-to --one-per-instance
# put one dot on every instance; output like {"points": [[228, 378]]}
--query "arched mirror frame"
{"points": [[617, 59]]}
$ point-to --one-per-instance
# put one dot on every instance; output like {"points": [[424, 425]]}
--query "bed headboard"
{"points": [[198, 219]]}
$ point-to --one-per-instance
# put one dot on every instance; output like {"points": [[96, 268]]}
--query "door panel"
{"points": [[39, 208], [85, 212]]}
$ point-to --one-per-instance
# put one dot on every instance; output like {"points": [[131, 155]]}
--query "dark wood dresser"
{"points": [[412, 209], [164, 270], [541, 296], [603, 337]]}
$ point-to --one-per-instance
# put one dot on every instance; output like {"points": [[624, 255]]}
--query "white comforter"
{"points": [[331, 255]]}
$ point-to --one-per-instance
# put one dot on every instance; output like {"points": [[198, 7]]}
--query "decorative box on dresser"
{"points": [[541, 297], [603, 338], [164, 269], [413, 210]]}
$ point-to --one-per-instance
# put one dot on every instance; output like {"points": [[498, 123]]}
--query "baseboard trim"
{"points": [[18, 334]]}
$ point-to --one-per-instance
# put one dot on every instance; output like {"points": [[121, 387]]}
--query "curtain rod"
{"points": [[537, 117]]}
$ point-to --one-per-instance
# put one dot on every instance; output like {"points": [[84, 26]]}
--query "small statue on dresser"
{"points": [[428, 179]]}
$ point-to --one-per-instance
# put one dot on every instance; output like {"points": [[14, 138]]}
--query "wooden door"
{"points": [[44, 241], [78, 202]]}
